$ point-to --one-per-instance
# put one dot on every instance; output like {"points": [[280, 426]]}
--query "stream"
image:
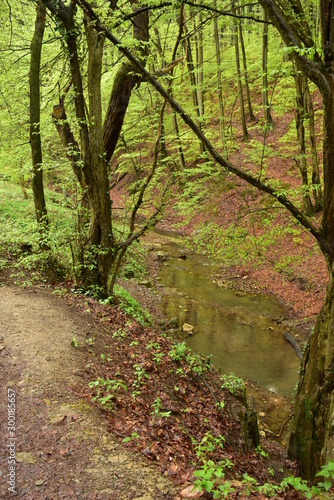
{"points": [[241, 331]]}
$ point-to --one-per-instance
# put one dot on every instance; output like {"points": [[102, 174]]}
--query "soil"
{"points": [[63, 446], [68, 445]]}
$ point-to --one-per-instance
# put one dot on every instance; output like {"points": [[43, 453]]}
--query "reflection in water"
{"points": [[237, 330]]}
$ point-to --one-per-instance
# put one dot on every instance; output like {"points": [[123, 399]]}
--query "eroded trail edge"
{"points": [[62, 447]]}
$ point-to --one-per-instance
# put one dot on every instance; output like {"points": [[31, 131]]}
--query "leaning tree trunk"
{"points": [[125, 81], [240, 93], [35, 116]]}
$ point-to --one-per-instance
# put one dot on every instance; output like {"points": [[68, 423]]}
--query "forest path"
{"points": [[62, 446]]}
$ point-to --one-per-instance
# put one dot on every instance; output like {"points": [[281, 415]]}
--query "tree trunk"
{"points": [[244, 61], [269, 123], [191, 71], [316, 183], [237, 62], [300, 116], [199, 72], [219, 83], [312, 437], [100, 227], [69, 143], [125, 80], [35, 135]]}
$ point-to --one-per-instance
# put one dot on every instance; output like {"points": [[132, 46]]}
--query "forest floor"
{"points": [[68, 446], [63, 446]]}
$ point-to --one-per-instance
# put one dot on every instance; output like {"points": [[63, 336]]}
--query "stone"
{"points": [[25, 458], [39, 482], [182, 256], [161, 255], [188, 328], [173, 323], [146, 283], [191, 492]]}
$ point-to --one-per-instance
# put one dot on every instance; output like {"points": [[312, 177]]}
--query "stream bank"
{"points": [[242, 331]]}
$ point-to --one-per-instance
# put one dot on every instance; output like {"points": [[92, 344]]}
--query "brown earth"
{"points": [[63, 446]]}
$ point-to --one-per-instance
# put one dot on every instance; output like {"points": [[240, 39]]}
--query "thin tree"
{"points": [[244, 63], [35, 116], [300, 128], [316, 182], [269, 122], [239, 81], [219, 83]]}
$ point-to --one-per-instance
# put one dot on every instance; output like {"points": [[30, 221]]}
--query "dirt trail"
{"points": [[62, 446]]}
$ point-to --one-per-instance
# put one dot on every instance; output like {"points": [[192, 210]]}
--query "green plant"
{"points": [[105, 358], [130, 306], [210, 477], [119, 334], [197, 364], [74, 343], [139, 378], [220, 405], [134, 435], [178, 351], [299, 485], [261, 452], [232, 383], [208, 444], [157, 357], [250, 484], [157, 413], [106, 390]]}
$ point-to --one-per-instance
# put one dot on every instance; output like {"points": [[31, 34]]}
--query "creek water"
{"points": [[239, 330]]}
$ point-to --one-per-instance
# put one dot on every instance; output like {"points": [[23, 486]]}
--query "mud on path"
{"points": [[62, 446]]}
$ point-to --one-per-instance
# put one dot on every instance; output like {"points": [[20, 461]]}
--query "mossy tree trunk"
{"points": [[312, 437], [100, 232]]}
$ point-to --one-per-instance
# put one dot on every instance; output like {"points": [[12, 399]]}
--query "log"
{"points": [[294, 344]]}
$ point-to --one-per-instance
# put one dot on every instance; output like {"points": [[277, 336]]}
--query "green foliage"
{"points": [[74, 343], [21, 237], [130, 306], [139, 379], [134, 435], [157, 413], [210, 477], [179, 351], [196, 363], [207, 445], [107, 390], [232, 383]]}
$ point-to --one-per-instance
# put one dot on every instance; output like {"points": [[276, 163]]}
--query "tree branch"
{"points": [[280, 197]]}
